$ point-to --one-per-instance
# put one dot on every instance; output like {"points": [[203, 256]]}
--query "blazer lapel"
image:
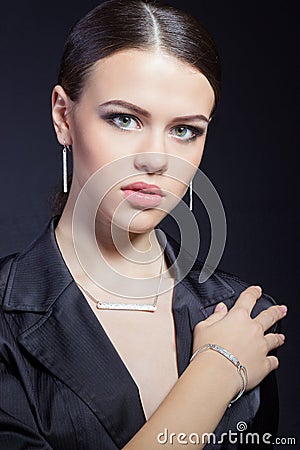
{"points": [[71, 344], [64, 335]]}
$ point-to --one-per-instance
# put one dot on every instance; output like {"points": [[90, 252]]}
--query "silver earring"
{"points": [[65, 166], [191, 195]]}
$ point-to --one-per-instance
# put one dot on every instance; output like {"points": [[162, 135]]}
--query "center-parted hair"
{"points": [[117, 25]]}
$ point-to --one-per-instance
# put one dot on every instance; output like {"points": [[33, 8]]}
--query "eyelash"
{"points": [[197, 132]]}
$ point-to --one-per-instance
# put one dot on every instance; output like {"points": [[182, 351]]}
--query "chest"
{"points": [[146, 343]]}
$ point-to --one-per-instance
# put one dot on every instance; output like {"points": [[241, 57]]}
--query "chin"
{"points": [[144, 221]]}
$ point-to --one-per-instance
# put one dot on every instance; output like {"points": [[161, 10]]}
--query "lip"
{"points": [[143, 195], [145, 188]]}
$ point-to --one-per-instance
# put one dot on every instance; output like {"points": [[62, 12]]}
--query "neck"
{"points": [[101, 251]]}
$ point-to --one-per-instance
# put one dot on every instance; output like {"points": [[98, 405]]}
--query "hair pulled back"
{"points": [[117, 25]]}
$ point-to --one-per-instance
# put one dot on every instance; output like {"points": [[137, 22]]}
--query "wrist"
{"points": [[226, 369]]}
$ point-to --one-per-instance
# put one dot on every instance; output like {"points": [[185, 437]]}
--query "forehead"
{"points": [[148, 79]]}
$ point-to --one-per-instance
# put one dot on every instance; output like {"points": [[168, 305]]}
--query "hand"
{"points": [[243, 336]]}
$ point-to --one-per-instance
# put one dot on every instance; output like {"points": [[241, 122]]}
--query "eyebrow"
{"points": [[146, 114]]}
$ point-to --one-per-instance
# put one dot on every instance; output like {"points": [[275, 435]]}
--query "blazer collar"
{"points": [[60, 330]]}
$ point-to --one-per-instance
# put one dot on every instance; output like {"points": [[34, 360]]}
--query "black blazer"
{"points": [[62, 383]]}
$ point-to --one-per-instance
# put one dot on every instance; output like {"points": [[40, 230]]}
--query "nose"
{"points": [[154, 159]]}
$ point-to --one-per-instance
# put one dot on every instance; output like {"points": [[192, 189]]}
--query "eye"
{"points": [[186, 133], [125, 121]]}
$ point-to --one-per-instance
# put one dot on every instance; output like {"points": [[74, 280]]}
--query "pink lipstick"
{"points": [[143, 194]]}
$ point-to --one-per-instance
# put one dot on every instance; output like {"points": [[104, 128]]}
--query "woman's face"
{"points": [[144, 114]]}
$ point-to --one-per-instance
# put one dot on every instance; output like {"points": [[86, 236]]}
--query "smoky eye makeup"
{"points": [[187, 133], [125, 121], [121, 120]]}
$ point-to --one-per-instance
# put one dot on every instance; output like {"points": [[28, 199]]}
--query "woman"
{"points": [[89, 359]]}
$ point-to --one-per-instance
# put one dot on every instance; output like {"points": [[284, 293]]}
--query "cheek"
{"points": [[200, 149], [191, 154], [95, 145], [197, 157]]}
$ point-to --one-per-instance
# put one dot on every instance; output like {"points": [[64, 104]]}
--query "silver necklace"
{"points": [[149, 307]]}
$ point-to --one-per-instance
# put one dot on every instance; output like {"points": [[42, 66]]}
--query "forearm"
{"points": [[196, 404]]}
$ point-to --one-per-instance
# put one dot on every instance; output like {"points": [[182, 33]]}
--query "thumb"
{"points": [[220, 311], [221, 307]]}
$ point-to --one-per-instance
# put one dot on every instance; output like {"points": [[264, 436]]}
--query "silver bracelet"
{"points": [[242, 371]]}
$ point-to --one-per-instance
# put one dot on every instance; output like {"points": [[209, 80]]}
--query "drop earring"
{"points": [[65, 166], [191, 195]]}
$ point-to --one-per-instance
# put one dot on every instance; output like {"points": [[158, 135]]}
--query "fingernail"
{"points": [[283, 309], [282, 336], [220, 306], [258, 288]]}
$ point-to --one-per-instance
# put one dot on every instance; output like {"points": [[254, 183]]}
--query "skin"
{"points": [[185, 409], [166, 89], [96, 142]]}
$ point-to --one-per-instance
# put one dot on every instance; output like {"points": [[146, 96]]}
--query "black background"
{"points": [[251, 153]]}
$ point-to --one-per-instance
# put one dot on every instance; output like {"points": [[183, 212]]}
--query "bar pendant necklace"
{"points": [[147, 307]]}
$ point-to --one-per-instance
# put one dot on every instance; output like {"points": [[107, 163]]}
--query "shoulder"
{"points": [[223, 286], [220, 286]]}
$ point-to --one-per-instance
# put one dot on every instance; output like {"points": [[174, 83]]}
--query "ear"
{"points": [[61, 106]]}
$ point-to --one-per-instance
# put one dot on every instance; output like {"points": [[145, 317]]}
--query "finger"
{"points": [[221, 307], [273, 362], [248, 298], [274, 340], [219, 312], [269, 316]]}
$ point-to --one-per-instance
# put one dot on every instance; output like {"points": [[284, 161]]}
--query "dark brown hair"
{"points": [[117, 25]]}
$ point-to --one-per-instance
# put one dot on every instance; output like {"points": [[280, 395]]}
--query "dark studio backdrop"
{"points": [[251, 152]]}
